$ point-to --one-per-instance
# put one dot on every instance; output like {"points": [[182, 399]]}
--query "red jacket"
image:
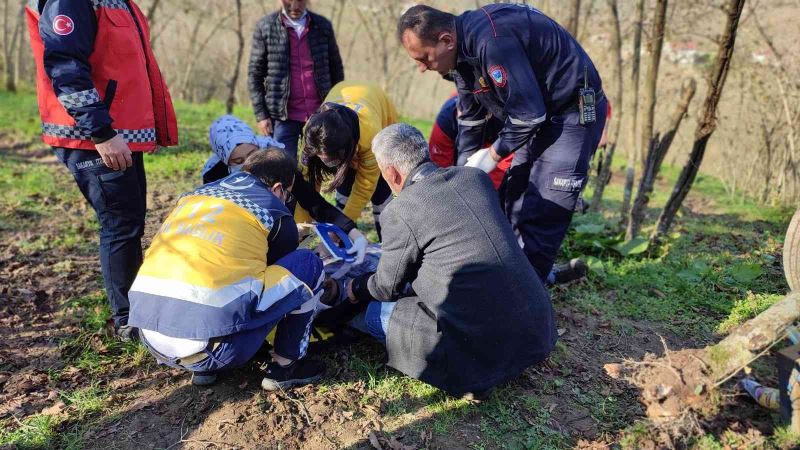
{"points": [[442, 143], [95, 68]]}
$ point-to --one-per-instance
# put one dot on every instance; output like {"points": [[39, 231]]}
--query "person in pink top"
{"points": [[294, 62]]}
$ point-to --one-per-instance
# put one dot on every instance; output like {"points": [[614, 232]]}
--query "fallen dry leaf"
{"points": [[373, 440], [394, 444], [54, 410]]}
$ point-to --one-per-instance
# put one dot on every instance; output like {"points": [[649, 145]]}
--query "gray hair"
{"points": [[400, 145]]}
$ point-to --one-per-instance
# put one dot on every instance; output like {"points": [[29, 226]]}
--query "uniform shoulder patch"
{"points": [[63, 25], [498, 75]]}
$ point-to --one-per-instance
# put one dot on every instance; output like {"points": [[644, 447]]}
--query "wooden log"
{"points": [[683, 379]]}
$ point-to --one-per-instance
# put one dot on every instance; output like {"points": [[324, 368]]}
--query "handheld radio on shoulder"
{"points": [[586, 101]]}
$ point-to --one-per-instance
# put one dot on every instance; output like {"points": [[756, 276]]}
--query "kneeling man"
{"points": [[223, 270], [454, 297]]}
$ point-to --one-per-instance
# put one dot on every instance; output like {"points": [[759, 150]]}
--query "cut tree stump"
{"points": [[682, 380]]}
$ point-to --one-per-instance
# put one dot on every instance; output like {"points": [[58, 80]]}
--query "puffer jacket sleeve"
{"points": [[257, 72]]}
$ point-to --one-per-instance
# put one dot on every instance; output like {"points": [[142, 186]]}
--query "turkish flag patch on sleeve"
{"points": [[498, 75], [63, 25]]}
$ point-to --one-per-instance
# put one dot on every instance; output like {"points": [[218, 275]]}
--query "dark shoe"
{"points": [[298, 373], [126, 333], [333, 292], [571, 271], [203, 378]]}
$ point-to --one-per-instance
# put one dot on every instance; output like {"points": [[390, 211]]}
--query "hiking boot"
{"points": [[126, 333], [203, 378], [575, 269], [298, 373]]}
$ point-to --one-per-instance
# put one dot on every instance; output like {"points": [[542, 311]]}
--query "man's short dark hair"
{"points": [[425, 22], [271, 165]]}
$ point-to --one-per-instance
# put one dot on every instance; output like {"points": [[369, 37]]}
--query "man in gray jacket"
{"points": [[454, 297]]}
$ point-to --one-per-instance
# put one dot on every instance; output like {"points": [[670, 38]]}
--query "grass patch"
{"points": [[783, 438], [94, 350], [510, 422], [19, 114], [634, 435], [747, 308], [93, 310], [86, 401], [35, 432], [715, 271]]}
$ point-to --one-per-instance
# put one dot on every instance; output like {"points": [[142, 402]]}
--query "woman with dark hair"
{"points": [[337, 146]]}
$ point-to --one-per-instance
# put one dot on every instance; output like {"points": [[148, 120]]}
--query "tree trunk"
{"points": [[603, 177], [586, 22], [650, 88], [790, 138], [630, 171], [11, 40], [238, 66], [708, 119], [189, 65], [681, 380], [339, 9], [574, 18], [16, 48], [21, 61], [195, 54], [766, 135], [651, 80], [6, 32], [607, 156], [655, 156], [151, 20]]}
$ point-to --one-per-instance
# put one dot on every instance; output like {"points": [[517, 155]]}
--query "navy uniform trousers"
{"points": [[544, 182], [119, 198]]}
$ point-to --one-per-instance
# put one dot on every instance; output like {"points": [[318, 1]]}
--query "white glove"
{"points": [[483, 160], [304, 229], [359, 245]]}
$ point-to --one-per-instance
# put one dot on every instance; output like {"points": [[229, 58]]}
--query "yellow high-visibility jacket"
{"points": [[375, 112], [206, 274]]}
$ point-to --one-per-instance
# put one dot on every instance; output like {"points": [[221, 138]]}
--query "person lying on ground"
{"points": [[444, 153], [223, 270], [453, 297], [337, 147], [232, 141]]}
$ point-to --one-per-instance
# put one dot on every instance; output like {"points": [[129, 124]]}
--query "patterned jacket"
{"points": [[210, 270], [268, 71]]}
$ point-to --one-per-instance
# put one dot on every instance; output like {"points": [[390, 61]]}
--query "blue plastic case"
{"points": [[324, 231]]}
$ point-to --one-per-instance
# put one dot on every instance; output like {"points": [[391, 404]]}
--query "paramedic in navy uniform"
{"points": [[514, 63]]}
